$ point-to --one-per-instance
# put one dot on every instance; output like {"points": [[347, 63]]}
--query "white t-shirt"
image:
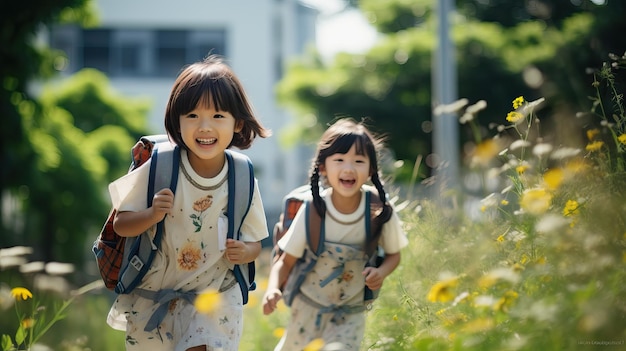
{"points": [[343, 228]]}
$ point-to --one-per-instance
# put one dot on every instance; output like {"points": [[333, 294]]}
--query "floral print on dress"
{"points": [[200, 206], [346, 276], [188, 257]]}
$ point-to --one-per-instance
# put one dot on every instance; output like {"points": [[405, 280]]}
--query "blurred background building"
{"points": [[141, 45]]}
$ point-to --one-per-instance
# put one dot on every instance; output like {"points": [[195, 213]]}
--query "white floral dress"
{"points": [[331, 305], [190, 261]]}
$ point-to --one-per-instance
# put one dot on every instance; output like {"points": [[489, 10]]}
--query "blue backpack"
{"points": [[124, 261]]}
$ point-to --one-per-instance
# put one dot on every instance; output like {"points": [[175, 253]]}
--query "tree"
{"points": [[61, 201], [504, 49], [21, 61], [60, 149]]}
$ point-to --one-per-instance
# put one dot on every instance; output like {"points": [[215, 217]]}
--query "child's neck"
{"points": [[206, 168], [345, 205]]}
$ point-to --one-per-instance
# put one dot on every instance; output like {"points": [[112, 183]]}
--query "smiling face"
{"points": [[346, 173], [207, 132]]}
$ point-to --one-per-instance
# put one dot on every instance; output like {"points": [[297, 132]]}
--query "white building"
{"points": [[142, 44]]}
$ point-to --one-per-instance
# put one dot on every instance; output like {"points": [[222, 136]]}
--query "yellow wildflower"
{"points": [[486, 151], [504, 202], [521, 169], [505, 301], [594, 146], [28, 323], [500, 238], [207, 301], [553, 178], [21, 293], [524, 259], [442, 290], [571, 208], [279, 332], [314, 345], [592, 134], [622, 139], [536, 201], [517, 103], [514, 117]]}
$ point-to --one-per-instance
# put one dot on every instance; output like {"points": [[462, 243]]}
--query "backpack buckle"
{"points": [[136, 262]]}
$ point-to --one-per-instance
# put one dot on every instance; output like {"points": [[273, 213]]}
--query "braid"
{"points": [[318, 202], [385, 215]]}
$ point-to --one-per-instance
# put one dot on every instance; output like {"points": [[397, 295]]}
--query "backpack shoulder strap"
{"points": [[139, 251], [372, 226], [163, 174], [315, 228], [240, 192]]}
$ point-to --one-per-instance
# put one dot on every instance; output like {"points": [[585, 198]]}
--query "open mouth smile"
{"points": [[206, 141], [347, 182]]}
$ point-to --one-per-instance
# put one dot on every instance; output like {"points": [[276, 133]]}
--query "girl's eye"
{"points": [[192, 115], [217, 115]]}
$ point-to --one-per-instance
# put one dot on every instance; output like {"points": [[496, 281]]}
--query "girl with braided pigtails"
{"points": [[330, 303]]}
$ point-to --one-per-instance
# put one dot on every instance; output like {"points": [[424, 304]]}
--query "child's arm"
{"points": [[374, 276], [130, 223], [240, 252], [278, 276]]}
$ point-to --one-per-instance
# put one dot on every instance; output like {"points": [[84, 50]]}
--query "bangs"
{"points": [[343, 142], [207, 88]]}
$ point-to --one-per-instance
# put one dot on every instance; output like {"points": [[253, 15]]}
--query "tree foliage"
{"points": [[21, 60], [504, 49], [58, 149], [62, 197]]}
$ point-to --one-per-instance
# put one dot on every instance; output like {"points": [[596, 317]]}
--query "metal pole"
{"points": [[445, 126]]}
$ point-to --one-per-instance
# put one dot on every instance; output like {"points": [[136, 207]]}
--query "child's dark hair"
{"points": [[212, 81], [338, 139]]}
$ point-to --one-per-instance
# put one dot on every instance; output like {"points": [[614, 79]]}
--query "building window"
{"points": [[136, 52], [96, 49], [170, 51], [131, 53]]}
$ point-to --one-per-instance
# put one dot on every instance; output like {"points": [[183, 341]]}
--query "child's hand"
{"points": [[236, 251], [373, 278], [162, 204], [270, 300]]}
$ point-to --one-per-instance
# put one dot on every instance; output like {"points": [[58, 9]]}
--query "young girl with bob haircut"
{"points": [[334, 311], [208, 111]]}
